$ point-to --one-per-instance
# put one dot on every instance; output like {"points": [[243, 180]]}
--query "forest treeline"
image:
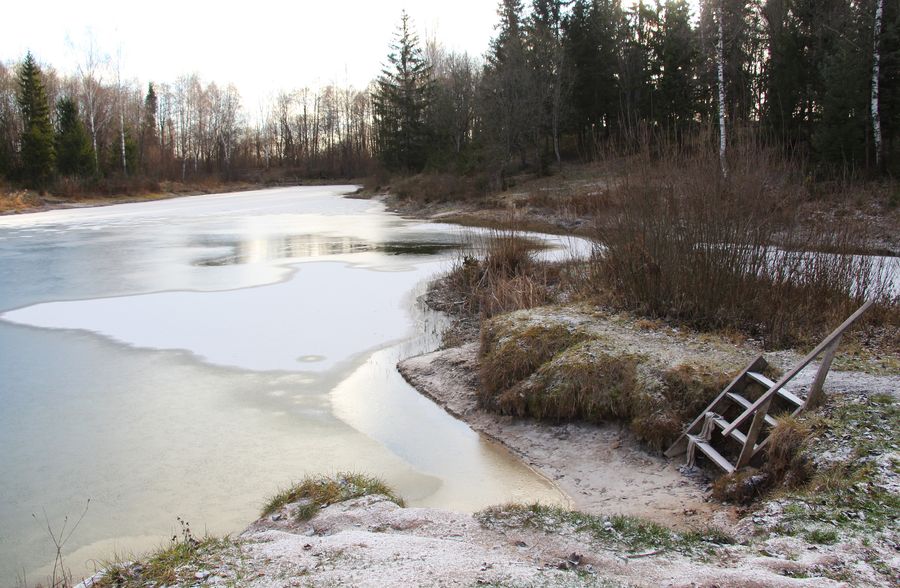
{"points": [[561, 80]]}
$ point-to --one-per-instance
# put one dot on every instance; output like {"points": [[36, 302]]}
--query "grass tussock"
{"points": [[687, 244], [503, 277], [173, 564], [630, 534], [581, 383], [315, 493], [507, 358]]}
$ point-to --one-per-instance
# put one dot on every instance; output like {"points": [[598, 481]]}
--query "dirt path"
{"points": [[601, 468]]}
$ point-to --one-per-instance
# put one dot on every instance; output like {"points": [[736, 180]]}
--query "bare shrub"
{"points": [[434, 187], [717, 252]]}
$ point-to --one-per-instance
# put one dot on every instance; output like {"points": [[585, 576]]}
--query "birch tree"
{"points": [[720, 68], [876, 66]]}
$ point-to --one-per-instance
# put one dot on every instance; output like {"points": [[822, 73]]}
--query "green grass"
{"points": [[848, 496], [317, 492], [632, 534], [175, 563]]}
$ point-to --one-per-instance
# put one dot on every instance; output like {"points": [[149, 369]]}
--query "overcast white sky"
{"points": [[259, 45]]}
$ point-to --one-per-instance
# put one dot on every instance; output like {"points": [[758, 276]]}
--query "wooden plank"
{"points": [[835, 335], [736, 435], [815, 390], [710, 452], [745, 403], [783, 392], [756, 426], [680, 445]]}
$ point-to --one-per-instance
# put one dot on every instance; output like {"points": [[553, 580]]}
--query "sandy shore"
{"points": [[600, 467]]}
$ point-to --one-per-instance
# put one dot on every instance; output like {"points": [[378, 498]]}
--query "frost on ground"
{"points": [[643, 523], [370, 541]]}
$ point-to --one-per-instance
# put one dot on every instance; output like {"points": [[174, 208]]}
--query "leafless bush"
{"points": [[690, 244]]}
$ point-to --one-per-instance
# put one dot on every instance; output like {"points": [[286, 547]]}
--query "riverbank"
{"points": [[28, 201]]}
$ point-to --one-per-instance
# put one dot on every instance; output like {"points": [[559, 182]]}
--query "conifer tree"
{"points": [[401, 101], [36, 151], [74, 154], [149, 142]]}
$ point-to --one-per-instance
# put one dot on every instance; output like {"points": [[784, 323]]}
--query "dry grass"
{"points": [[556, 370], [687, 244], [503, 277], [686, 390], [507, 359], [434, 187], [18, 200], [581, 383]]}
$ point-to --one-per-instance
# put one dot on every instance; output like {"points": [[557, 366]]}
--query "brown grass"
{"points": [[434, 187], [579, 384], [504, 277], [690, 245], [686, 390], [509, 357]]}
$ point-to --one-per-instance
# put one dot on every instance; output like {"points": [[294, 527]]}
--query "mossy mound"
{"points": [[573, 363]]}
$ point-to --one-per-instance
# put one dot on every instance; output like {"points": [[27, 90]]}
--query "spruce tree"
{"points": [[36, 150], [74, 154], [401, 101], [149, 142]]}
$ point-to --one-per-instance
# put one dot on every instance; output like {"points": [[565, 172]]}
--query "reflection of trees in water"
{"points": [[303, 246]]}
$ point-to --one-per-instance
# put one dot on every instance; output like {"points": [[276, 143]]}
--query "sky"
{"points": [[262, 46]]}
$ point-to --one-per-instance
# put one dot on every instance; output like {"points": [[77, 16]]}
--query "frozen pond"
{"points": [[188, 358]]}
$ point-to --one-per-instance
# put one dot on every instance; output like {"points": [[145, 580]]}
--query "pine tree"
{"points": [[401, 101], [36, 151], [74, 154]]}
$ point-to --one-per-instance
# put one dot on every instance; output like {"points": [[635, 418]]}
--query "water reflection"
{"points": [[305, 246]]}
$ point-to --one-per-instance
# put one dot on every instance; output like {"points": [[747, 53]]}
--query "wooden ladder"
{"points": [[731, 443]]}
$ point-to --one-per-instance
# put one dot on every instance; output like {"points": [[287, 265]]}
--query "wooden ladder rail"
{"points": [[681, 444], [760, 408]]}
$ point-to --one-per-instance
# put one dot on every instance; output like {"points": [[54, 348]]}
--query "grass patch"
{"points": [[583, 382], [554, 367], [509, 355], [631, 534], [315, 493], [175, 563]]}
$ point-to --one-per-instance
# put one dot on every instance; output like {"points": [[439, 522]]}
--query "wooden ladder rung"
{"points": [[783, 392], [711, 453], [735, 434], [747, 404]]}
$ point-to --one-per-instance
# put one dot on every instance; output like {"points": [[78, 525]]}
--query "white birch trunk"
{"points": [[876, 67], [720, 59]]}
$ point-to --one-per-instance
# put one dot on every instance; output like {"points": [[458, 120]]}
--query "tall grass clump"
{"points": [[502, 276], [315, 493], [686, 243]]}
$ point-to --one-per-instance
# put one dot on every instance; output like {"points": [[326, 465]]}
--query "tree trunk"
{"points": [[876, 66], [720, 62]]}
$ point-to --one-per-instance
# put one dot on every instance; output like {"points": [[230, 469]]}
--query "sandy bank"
{"points": [[601, 468]]}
